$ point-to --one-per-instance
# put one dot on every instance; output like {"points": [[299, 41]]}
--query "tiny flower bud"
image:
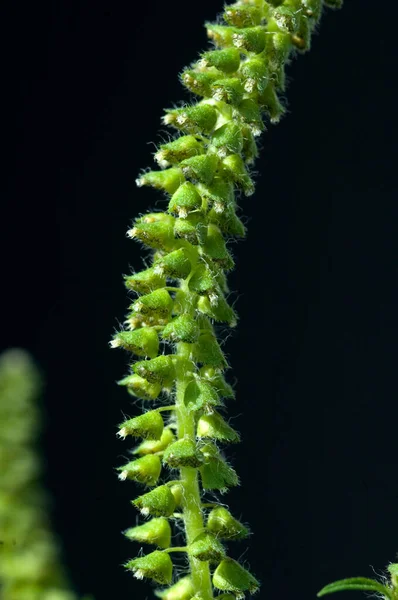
{"points": [[193, 228], [235, 169], [242, 16], [156, 531], [157, 304], [215, 247], [143, 342], [230, 576], [143, 470], [224, 526], [182, 329], [215, 306], [251, 39], [200, 118], [223, 389], [154, 446], [202, 280], [227, 60], [206, 547], [228, 138], [208, 352], [145, 281], [250, 113], [312, 8], [157, 370], [255, 73], [182, 453], [185, 200], [168, 180], [182, 590], [156, 566], [285, 19], [222, 36], [175, 264], [175, 151], [213, 426], [149, 426], [229, 90], [201, 395], [227, 221], [158, 502], [154, 230], [199, 82], [393, 570], [216, 474], [272, 105], [302, 37], [220, 193], [201, 168], [141, 388], [249, 149]]}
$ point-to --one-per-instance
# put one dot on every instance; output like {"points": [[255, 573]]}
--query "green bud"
{"points": [[175, 265], [215, 306], [215, 473], [242, 16], [156, 566], [193, 228], [255, 75], [227, 60], [302, 38], [145, 281], [279, 46], [217, 380], [182, 590], [220, 193], [143, 342], [149, 426], [228, 138], [201, 395], [272, 105], [199, 82], [224, 526], [250, 113], [221, 35], [154, 446], [182, 453], [208, 352], [143, 470], [168, 180], [158, 502], [249, 149], [201, 168], [141, 388], [175, 151], [285, 19], [227, 221], [185, 200], [157, 304], [229, 90], [213, 426], [154, 230], [200, 118], [177, 491], [230, 576], [157, 370], [235, 169], [206, 547], [182, 329], [312, 8], [215, 247], [202, 280], [156, 531], [251, 39]]}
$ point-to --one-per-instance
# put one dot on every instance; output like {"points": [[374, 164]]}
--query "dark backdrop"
{"points": [[314, 354]]}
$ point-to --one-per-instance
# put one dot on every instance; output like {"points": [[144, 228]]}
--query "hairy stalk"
{"points": [[183, 294]]}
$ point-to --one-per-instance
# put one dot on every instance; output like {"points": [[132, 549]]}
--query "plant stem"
{"points": [[191, 503]]}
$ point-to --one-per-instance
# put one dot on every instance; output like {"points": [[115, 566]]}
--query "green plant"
{"points": [[184, 293], [387, 589]]}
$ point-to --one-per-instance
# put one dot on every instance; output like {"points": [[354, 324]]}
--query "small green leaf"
{"points": [[355, 583]]}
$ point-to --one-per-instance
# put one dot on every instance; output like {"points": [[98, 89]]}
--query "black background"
{"points": [[314, 353]]}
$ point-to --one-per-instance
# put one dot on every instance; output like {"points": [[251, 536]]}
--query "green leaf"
{"points": [[355, 583]]}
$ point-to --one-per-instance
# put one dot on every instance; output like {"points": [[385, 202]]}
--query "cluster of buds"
{"points": [[184, 293]]}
